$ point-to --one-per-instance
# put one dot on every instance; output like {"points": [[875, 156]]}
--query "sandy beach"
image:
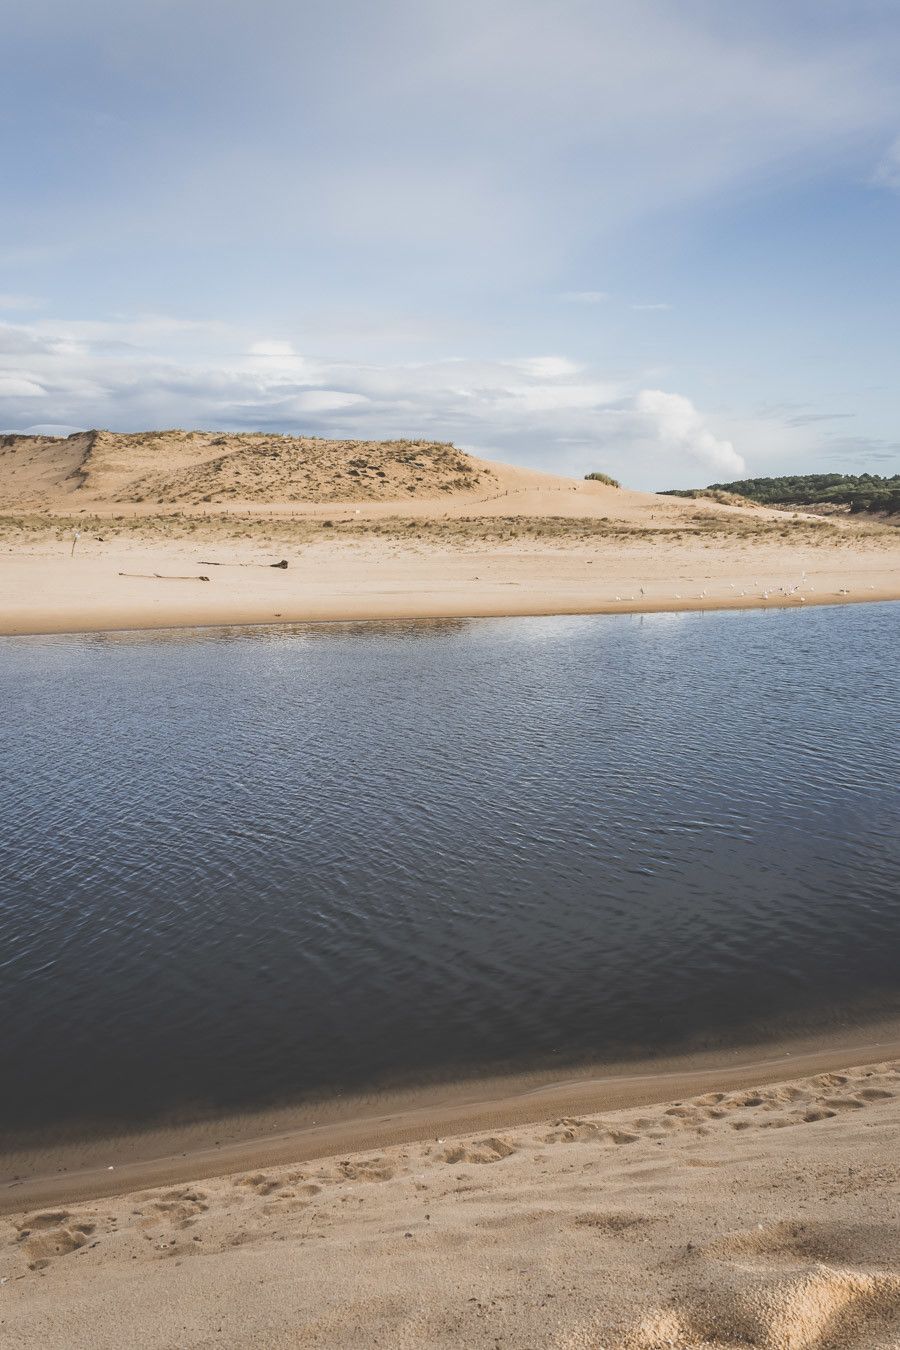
{"points": [[739, 1198], [433, 534], [764, 1215]]}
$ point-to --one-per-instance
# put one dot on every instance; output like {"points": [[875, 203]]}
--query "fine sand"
{"points": [[181, 528], [763, 1216]]}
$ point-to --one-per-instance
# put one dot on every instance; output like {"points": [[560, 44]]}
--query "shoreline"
{"points": [[144, 588], [77, 1170], [762, 1217], [333, 613]]}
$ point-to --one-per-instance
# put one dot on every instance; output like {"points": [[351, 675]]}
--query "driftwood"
{"points": [[159, 576], [205, 562]]}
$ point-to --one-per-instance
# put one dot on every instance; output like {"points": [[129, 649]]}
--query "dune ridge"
{"points": [[193, 467]]}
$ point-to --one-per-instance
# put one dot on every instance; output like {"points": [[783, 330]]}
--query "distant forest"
{"points": [[861, 492]]}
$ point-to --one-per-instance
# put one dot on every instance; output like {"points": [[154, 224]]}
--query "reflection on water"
{"points": [[412, 630], [250, 864]]}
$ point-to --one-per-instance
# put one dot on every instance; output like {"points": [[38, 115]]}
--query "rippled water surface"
{"points": [[246, 866]]}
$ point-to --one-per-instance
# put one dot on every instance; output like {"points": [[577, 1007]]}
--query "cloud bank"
{"points": [[677, 423], [543, 410]]}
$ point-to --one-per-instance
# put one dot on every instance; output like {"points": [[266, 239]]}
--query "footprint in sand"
{"points": [[180, 1204], [51, 1234], [572, 1130], [51, 1219], [480, 1151], [43, 1247], [368, 1169], [818, 1113], [259, 1182]]}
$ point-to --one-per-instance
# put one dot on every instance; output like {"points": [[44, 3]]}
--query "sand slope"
{"points": [[205, 472], [397, 529], [764, 1218], [193, 467]]}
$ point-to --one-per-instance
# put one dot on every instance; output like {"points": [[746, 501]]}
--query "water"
{"points": [[240, 867]]}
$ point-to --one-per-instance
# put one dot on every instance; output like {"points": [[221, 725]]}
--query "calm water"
{"points": [[245, 866]]}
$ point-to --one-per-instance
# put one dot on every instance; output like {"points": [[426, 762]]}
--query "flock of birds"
{"points": [[785, 592]]}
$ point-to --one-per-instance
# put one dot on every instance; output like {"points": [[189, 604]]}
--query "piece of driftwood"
{"points": [[205, 562], [159, 576]]}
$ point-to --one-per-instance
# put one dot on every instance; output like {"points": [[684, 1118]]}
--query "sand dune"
{"points": [[765, 1217], [207, 473], [194, 467], [179, 527]]}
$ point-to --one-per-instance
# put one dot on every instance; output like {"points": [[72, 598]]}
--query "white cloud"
{"points": [[16, 386], [547, 411], [679, 425], [584, 297], [652, 307], [548, 367], [271, 348], [326, 400], [50, 429]]}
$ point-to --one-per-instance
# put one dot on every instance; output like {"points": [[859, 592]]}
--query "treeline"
{"points": [[861, 492]]}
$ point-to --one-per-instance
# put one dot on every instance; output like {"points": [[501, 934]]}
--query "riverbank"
{"points": [[126, 583], [761, 1215], [85, 1161]]}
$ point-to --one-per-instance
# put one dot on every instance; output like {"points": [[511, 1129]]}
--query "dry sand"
{"points": [[760, 1217], [421, 530]]}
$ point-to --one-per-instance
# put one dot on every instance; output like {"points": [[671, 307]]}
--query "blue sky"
{"points": [[658, 238]]}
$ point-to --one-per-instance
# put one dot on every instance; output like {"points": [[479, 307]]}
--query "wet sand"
{"points": [[82, 1161], [764, 1215]]}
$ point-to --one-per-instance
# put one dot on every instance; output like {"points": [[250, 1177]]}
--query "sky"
{"points": [[658, 239]]}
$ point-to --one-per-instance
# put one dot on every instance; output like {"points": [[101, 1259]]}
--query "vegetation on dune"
{"points": [[255, 467], [860, 492], [597, 477], [705, 529]]}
